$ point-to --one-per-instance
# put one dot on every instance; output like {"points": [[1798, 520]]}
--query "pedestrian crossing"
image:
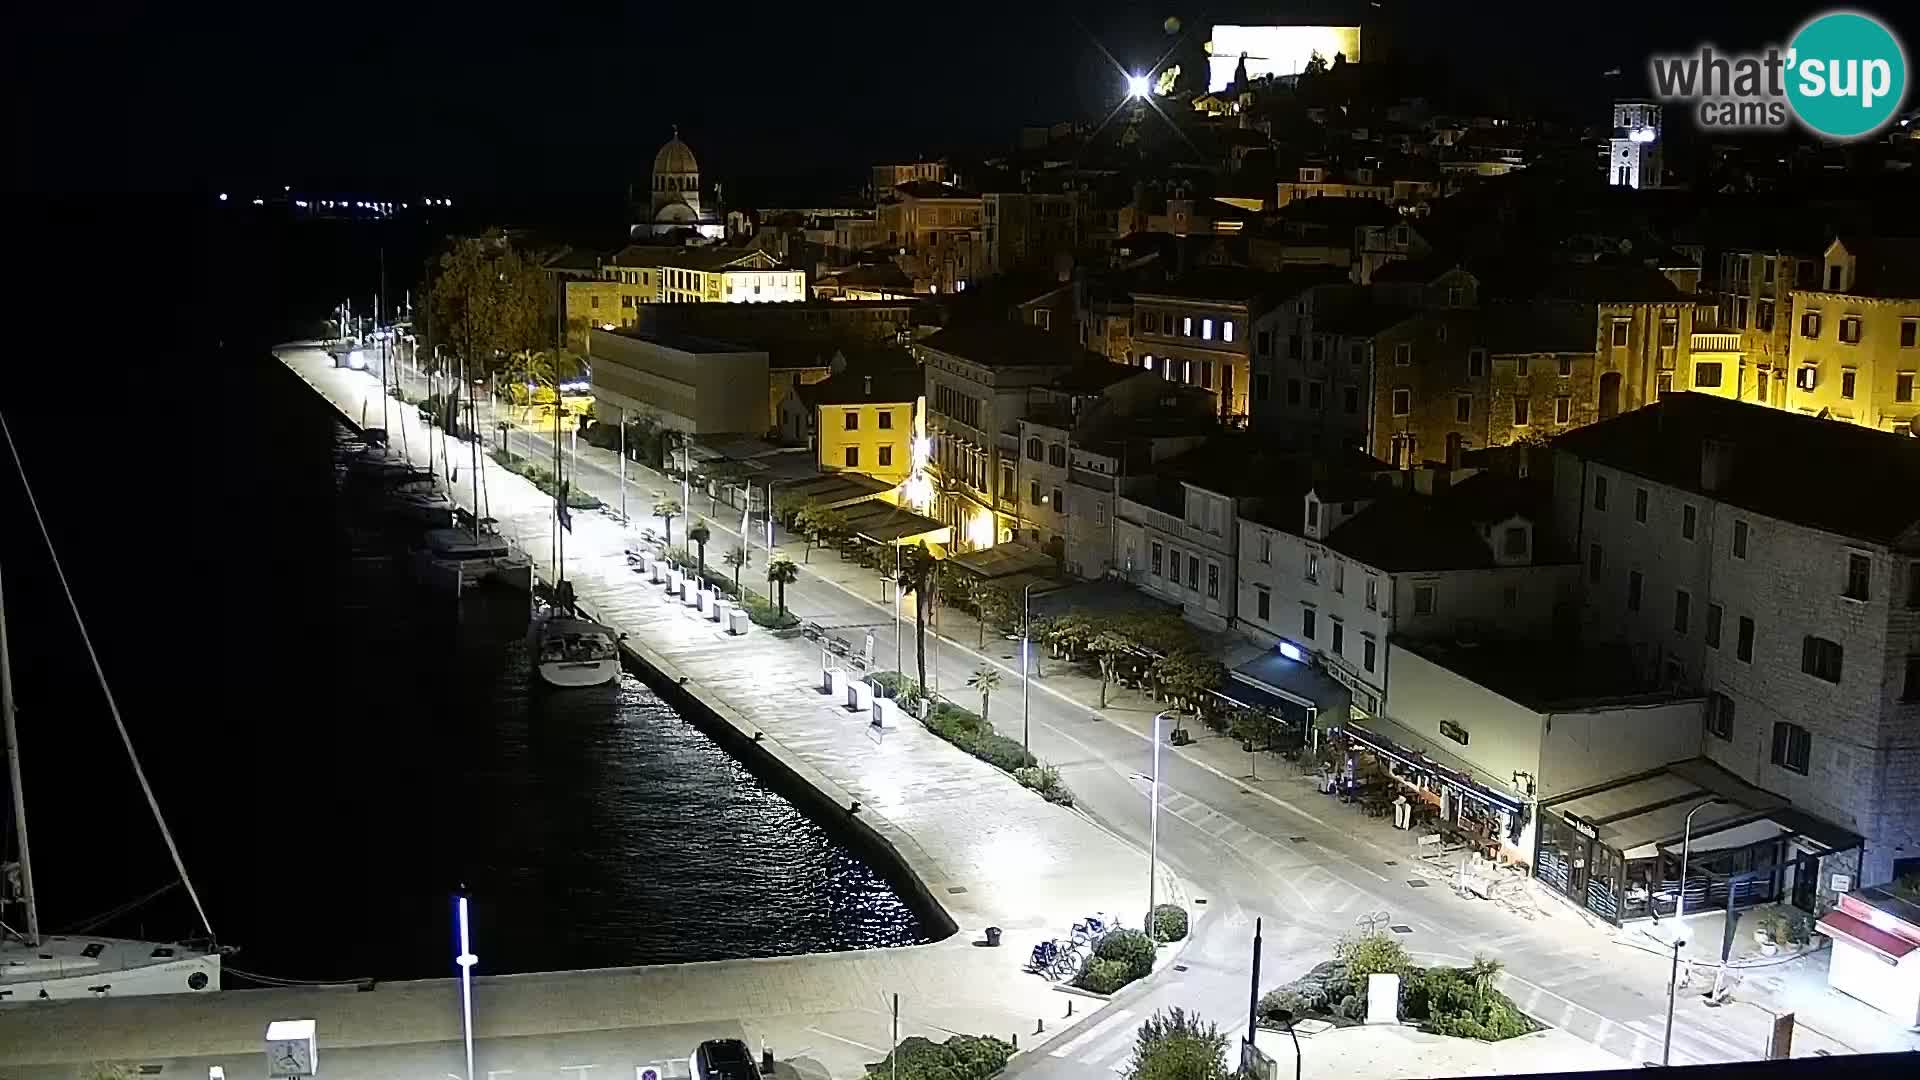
{"points": [[1106, 1046]]}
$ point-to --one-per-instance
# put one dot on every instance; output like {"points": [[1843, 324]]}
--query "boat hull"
{"points": [[196, 973], [574, 674]]}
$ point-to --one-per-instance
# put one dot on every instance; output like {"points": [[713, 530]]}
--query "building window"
{"points": [[1402, 401], [1476, 363], [1186, 326], [1714, 613], [1520, 366], [1226, 329], [1850, 329], [1043, 318], [1599, 493], [886, 457], [1706, 373], [1313, 567], [1792, 746], [1566, 367], [1035, 450], [1634, 581], [1263, 604], [1266, 548], [1810, 324], [1688, 521], [1059, 502], [1463, 409], [1640, 505], [1057, 455], [1743, 644], [1206, 329], [1193, 572], [1373, 592], [1859, 570], [886, 419], [1313, 514], [1720, 715], [1100, 512], [1903, 387], [1206, 374], [1366, 652], [1909, 333], [1514, 541], [1424, 599], [1213, 581], [1663, 385], [1403, 354], [1339, 577], [1562, 409], [1807, 377], [853, 421], [1669, 333], [1033, 492], [1154, 558], [1739, 539], [853, 457], [1820, 658], [1306, 623], [1847, 376], [1682, 610], [1595, 559], [1620, 332]]}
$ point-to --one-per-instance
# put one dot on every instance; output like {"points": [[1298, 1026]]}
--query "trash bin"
{"points": [[993, 936]]}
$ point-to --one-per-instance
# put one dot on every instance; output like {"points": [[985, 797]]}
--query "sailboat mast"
{"points": [[13, 774]]}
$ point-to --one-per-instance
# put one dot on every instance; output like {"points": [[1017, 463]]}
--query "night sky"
{"points": [[118, 95]]}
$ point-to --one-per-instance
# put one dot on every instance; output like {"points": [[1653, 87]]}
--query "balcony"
{"points": [[1718, 341]]}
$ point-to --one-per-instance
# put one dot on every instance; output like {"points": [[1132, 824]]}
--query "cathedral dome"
{"points": [[675, 157]]}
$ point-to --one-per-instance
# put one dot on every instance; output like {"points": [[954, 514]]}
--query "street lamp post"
{"points": [[1686, 849], [897, 635], [1153, 826], [623, 466], [1026, 666], [1673, 984], [466, 960]]}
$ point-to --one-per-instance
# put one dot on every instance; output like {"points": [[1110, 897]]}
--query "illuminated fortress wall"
{"points": [[1275, 50]]}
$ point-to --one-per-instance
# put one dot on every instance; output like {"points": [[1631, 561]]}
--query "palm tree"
{"points": [[666, 510], [699, 535], [918, 572], [737, 556], [783, 572], [985, 680]]}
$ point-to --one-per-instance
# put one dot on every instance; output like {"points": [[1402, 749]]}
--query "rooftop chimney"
{"points": [[869, 386]]}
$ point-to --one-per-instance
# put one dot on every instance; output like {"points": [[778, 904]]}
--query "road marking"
{"points": [[849, 1042], [1091, 1033]]}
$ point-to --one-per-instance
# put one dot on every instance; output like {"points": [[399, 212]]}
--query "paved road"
{"points": [[1296, 864]]}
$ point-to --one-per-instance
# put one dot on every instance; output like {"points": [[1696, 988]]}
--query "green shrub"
{"points": [[961, 1057], [1169, 922], [1371, 954], [1176, 1045], [765, 614], [1104, 976], [1045, 779], [1131, 947], [1004, 753]]}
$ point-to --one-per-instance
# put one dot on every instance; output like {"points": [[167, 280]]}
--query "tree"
{"points": [[1177, 1045], [666, 510], [919, 571], [489, 301], [1108, 646], [985, 680], [1067, 635], [539, 369], [698, 536], [737, 556], [783, 572]]}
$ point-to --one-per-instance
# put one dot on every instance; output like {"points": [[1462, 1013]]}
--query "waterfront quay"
{"points": [[962, 840]]}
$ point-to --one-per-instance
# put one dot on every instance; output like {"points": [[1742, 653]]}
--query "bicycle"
{"points": [[1373, 922]]}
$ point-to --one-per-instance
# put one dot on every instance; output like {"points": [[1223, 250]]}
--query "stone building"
{"points": [[1856, 336], [1771, 561]]}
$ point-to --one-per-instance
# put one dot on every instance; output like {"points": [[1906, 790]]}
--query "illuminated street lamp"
{"points": [[466, 960], [1137, 86]]}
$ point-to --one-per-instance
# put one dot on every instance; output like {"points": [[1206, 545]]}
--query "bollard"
{"points": [[1039, 1025], [766, 1060], [1069, 1006], [1016, 1042]]}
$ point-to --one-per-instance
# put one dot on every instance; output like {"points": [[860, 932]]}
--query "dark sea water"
{"points": [[335, 754]]}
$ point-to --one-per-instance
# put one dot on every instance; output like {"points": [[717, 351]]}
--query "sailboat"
{"points": [[569, 651], [52, 967]]}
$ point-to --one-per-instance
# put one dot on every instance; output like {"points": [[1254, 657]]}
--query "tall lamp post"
{"points": [[466, 960], [1679, 928], [1686, 849], [1153, 826], [1026, 666], [1673, 983]]}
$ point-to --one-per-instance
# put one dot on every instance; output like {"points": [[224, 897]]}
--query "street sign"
{"points": [[1257, 1062], [649, 1072]]}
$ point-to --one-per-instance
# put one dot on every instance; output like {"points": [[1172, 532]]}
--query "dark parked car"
{"points": [[724, 1059]]}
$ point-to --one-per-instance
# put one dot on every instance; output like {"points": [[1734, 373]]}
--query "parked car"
{"points": [[723, 1059]]}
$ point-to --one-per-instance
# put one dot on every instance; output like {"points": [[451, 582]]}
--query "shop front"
{"points": [[1295, 692], [1387, 770], [1616, 849]]}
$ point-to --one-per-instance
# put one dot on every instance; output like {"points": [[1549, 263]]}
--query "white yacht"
{"points": [[573, 652], [52, 967], [453, 560]]}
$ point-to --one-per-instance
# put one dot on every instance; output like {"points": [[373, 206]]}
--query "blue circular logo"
{"points": [[1847, 74]]}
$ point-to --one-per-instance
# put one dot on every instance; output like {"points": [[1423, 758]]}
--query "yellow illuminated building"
{"points": [[867, 423], [1855, 352]]}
